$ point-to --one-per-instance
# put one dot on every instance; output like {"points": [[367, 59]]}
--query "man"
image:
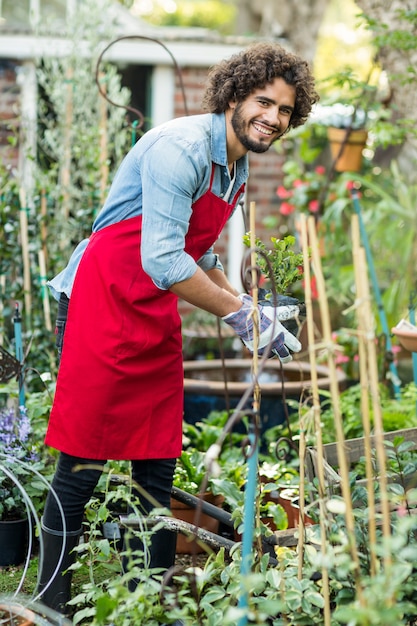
{"points": [[119, 392]]}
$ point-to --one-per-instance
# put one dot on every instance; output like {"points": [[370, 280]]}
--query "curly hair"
{"points": [[236, 78]]}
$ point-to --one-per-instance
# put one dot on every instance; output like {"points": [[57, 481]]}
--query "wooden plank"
{"points": [[287, 537], [355, 447]]}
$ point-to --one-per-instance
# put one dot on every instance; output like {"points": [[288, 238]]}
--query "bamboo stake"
{"points": [[44, 291], [317, 422], [65, 174], [301, 498], [334, 390], [377, 412], [363, 370], [302, 450], [24, 236], [43, 226], [104, 166], [254, 279]]}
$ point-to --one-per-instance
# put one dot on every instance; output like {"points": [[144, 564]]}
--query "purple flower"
{"points": [[15, 431], [23, 426]]}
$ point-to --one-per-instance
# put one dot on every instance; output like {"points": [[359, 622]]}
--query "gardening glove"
{"points": [[267, 298], [271, 331]]}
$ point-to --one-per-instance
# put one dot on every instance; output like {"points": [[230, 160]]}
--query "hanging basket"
{"points": [[350, 160], [407, 335]]}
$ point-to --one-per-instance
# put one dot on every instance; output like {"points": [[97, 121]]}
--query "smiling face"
{"points": [[260, 119]]}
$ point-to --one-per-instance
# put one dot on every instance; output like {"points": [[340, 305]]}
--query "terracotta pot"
{"points": [[16, 615], [286, 501], [289, 502], [187, 514], [350, 160], [289, 511], [296, 512]]}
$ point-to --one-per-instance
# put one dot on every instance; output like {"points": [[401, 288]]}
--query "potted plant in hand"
{"points": [[18, 459], [279, 264]]}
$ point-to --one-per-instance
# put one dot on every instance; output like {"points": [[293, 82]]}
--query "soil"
{"points": [[189, 560]]}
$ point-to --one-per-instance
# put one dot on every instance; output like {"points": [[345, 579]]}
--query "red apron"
{"points": [[119, 391]]}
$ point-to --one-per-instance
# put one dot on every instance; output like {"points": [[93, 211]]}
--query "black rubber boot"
{"points": [[161, 552], [54, 582]]}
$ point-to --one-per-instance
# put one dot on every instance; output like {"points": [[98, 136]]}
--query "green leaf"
{"points": [[315, 598]]}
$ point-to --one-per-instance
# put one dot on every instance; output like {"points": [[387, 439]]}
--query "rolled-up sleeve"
{"points": [[210, 261], [168, 192]]}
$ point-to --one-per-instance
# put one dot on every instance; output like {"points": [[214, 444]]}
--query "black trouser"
{"points": [[75, 488]]}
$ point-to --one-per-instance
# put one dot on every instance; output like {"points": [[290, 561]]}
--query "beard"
{"points": [[240, 127]]}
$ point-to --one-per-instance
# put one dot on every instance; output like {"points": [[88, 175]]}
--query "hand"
{"points": [[271, 331], [267, 298]]}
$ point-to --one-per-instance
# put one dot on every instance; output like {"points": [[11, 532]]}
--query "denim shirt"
{"points": [[160, 178]]}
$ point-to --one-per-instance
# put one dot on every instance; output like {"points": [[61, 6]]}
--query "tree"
{"points": [[394, 25], [297, 22]]}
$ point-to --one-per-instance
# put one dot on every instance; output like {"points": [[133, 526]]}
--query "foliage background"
{"points": [[78, 182]]}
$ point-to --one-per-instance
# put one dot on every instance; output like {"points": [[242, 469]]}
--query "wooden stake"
{"points": [[254, 279], [43, 225], [65, 174], [317, 422], [301, 500], [334, 390], [377, 412], [104, 166], [364, 383]]}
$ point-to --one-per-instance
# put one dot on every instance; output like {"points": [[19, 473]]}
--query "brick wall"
{"points": [[9, 111]]}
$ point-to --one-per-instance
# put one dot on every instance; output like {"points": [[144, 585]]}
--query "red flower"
{"points": [[283, 193], [286, 208], [298, 182], [320, 169], [313, 206], [350, 185], [313, 286], [342, 358]]}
